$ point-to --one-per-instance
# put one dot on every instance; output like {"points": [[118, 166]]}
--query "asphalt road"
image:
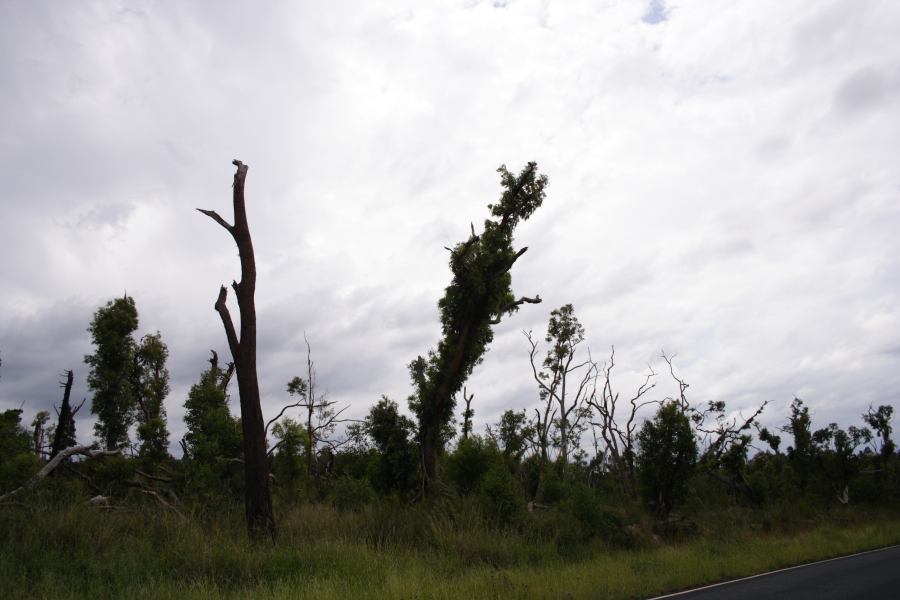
{"points": [[874, 574]]}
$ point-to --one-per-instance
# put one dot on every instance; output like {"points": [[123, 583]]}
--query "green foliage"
{"points": [[17, 459], [500, 497], [511, 435], [351, 494], [111, 370], [470, 462], [72, 550], [151, 388], [564, 333], [394, 466], [880, 422], [478, 295], [289, 463], [668, 455], [800, 455], [213, 442]]}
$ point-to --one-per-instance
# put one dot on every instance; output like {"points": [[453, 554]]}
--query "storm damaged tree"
{"points": [[619, 435], [477, 298], [257, 491], [467, 414], [64, 432]]}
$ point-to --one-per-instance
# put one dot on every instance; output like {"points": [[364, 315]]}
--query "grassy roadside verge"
{"points": [[78, 552]]}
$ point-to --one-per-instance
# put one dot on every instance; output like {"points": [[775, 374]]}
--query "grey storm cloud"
{"points": [[722, 187]]}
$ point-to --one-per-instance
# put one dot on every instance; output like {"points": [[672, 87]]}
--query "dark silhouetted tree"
{"points": [[257, 489], [800, 455], [880, 422], [64, 432]]}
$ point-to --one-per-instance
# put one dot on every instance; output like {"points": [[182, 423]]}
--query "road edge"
{"points": [[782, 570]]}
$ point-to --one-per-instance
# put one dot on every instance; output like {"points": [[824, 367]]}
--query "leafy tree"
{"points": [[512, 434], [391, 434], [14, 439], [111, 370], [667, 458], [800, 455], [476, 299], [151, 388], [40, 435], [836, 451], [470, 462], [213, 439], [288, 460], [556, 386], [880, 422], [17, 459], [773, 441]]}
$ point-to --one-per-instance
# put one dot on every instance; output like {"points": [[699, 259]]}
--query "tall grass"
{"points": [[387, 550]]}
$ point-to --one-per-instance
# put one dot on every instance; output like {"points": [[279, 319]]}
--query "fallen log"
{"points": [[89, 451]]}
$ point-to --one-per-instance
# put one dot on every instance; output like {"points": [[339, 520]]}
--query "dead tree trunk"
{"points": [[257, 492], [65, 426], [467, 415]]}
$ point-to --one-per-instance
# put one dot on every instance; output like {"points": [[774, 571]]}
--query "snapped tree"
{"points": [[64, 432], [477, 298], [257, 490]]}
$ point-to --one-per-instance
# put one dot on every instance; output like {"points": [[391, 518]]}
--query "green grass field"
{"points": [[48, 550]]}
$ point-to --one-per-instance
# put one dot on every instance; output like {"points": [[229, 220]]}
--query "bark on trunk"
{"points": [[257, 492]]}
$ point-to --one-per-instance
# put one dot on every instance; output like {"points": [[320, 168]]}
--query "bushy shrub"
{"points": [[500, 497], [470, 462], [351, 494]]}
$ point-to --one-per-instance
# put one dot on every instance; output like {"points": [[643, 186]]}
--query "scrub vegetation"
{"points": [[581, 493]]}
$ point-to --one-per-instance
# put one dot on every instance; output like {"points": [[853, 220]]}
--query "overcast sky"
{"points": [[724, 186]]}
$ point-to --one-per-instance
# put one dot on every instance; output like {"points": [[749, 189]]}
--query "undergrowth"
{"points": [[67, 549]]}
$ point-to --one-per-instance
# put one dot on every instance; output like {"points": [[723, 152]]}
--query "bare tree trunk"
{"points": [[467, 415], [257, 492]]}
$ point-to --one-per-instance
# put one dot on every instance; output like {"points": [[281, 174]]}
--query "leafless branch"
{"points": [[89, 451], [515, 303], [215, 217]]}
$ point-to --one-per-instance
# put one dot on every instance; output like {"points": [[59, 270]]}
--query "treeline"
{"points": [[581, 452]]}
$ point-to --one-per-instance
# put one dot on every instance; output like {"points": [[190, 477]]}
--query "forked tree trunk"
{"points": [[257, 492]]}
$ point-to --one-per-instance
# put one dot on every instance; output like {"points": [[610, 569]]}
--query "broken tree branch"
{"points": [[512, 305], [89, 451]]}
